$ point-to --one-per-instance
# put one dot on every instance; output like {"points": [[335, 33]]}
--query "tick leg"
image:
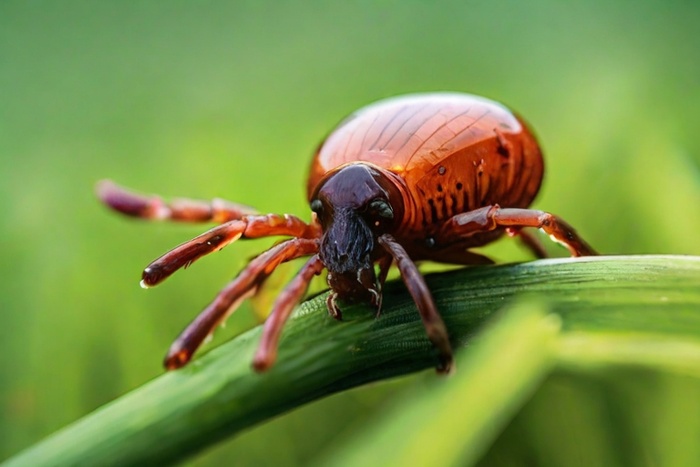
{"points": [[226, 302], [180, 209], [220, 236], [290, 296], [415, 283], [494, 217]]}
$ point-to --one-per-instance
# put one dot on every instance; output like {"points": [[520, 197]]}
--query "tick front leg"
{"points": [[493, 217], [226, 302], [220, 236], [415, 283], [267, 350], [180, 209]]}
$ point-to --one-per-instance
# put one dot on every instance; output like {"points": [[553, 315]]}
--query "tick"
{"points": [[411, 178]]}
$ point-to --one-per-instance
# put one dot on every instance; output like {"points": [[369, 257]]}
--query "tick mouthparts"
{"points": [[376, 299]]}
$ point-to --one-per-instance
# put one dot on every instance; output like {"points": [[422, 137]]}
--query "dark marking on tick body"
{"points": [[445, 212], [433, 210], [453, 198]]}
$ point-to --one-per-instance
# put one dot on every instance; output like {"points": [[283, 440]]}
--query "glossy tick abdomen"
{"points": [[417, 177]]}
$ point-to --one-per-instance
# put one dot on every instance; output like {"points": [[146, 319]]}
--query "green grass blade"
{"points": [[218, 395], [453, 422], [581, 351]]}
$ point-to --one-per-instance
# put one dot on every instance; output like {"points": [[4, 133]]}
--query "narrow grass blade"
{"points": [[453, 422], [218, 395]]}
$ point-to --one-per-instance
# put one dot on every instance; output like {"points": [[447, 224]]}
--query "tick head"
{"points": [[355, 205]]}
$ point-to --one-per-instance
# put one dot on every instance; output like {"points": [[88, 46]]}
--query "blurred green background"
{"points": [[229, 99]]}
